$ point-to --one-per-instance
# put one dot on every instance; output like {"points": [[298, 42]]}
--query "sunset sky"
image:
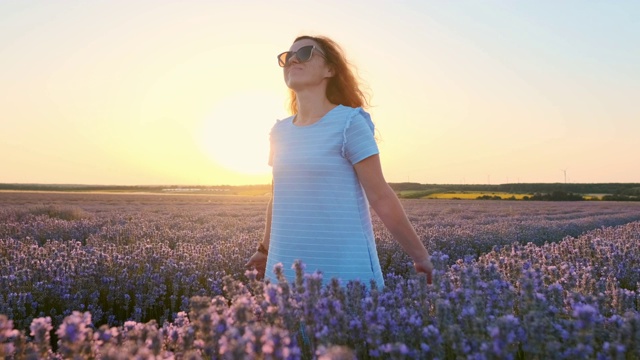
{"points": [[185, 92]]}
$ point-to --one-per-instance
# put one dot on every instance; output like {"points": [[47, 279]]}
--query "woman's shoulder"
{"points": [[281, 122], [348, 113], [284, 120], [344, 109], [358, 115]]}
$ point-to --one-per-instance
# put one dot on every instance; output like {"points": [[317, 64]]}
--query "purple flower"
{"points": [[585, 314]]}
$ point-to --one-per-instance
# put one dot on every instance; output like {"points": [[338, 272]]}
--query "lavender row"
{"points": [[457, 228], [577, 298], [141, 261]]}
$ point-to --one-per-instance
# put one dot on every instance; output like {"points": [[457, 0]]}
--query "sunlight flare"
{"points": [[235, 134]]}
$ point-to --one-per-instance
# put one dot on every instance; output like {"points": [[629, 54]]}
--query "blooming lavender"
{"points": [[40, 332], [8, 335], [163, 277]]}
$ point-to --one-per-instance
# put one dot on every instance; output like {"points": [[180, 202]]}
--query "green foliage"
{"points": [[632, 189], [489, 197], [557, 196], [417, 194], [621, 197]]}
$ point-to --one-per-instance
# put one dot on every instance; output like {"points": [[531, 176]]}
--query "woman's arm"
{"points": [[259, 260], [387, 206], [267, 228]]}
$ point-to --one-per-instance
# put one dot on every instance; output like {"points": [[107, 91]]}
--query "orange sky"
{"points": [[164, 92]]}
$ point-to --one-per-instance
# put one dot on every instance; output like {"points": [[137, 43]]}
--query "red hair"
{"points": [[343, 88]]}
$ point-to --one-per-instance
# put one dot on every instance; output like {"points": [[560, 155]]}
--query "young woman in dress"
{"points": [[326, 174]]}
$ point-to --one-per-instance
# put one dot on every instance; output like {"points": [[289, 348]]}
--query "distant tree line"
{"points": [[555, 196], [620, 197], [536, 191], [631, 189], [231, 189], [495, 197], [604, 188]]}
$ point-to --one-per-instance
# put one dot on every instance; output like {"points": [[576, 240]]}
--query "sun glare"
{"points": [[235, 135]]}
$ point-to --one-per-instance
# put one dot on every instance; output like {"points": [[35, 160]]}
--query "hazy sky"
{"points": [[185, 92]]}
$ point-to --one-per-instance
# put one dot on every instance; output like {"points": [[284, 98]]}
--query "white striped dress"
{"points": [[320, 212]]}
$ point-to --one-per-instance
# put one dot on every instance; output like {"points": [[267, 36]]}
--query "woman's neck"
{"points": [[311, 108]]}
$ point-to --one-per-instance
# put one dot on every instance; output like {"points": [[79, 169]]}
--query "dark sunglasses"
{"points": [[303, 54]]}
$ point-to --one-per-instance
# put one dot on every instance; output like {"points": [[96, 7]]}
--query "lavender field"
{"points": [[125, 276]]}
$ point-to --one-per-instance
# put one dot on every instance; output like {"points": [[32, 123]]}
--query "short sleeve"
{"points": [[359, 142], [270, 161], [272, 143]]}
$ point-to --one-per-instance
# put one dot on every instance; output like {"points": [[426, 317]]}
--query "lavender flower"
{"points": [[510, 283]]}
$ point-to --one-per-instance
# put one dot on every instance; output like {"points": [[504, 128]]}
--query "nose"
{"points": [[293, 58]]}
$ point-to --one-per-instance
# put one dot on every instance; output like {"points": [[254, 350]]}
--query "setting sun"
{"points": [[235, 135], [186, 92]]}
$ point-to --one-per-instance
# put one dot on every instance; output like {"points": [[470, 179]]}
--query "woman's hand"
{"points": [[259, 262], [426, 267], [386, 204]]}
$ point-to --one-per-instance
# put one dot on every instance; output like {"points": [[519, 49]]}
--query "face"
{"points": [[314, 72]]}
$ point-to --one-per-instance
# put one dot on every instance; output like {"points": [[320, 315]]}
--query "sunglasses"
{"points": [[303, 54]]}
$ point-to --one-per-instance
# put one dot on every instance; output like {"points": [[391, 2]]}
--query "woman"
{"points": [[326, 173]]}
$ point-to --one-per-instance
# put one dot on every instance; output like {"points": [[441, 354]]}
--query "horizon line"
{"points": [[269, 184]]}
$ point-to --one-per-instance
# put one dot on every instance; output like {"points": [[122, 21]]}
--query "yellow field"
{"points": [[594, 196], [470, 195]]}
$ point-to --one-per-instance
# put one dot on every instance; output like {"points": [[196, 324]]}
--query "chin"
{"points": [[295, 85]]}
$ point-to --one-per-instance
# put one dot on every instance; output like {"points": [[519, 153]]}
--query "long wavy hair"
{"points": [[343, 88]]}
